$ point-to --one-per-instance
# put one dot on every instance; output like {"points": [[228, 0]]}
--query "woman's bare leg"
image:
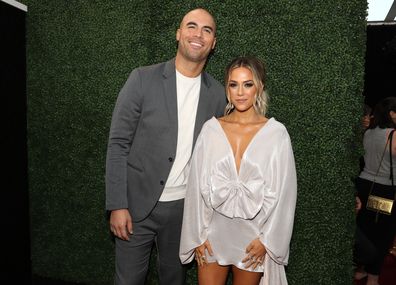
{"points": [[212, 274], [243, 277], [372, 279], [393, 247]]}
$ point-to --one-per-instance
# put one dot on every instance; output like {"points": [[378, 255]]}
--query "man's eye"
{"points": [[209, 31]]}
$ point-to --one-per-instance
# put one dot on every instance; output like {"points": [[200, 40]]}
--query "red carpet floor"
{"points": [[388, 273]]}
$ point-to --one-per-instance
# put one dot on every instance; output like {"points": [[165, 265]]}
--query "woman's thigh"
{"points": [[212, 274], [243, 277]]}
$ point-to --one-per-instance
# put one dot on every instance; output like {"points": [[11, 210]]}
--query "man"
{"points": [[157, 118]]}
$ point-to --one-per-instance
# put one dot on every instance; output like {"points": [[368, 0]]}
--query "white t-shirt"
{"points": [[188, 90], [374, 142]]}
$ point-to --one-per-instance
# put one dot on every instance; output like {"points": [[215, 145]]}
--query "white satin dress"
{"points": [[231, 209]]}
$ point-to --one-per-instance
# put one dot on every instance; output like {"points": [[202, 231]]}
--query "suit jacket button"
{"points": [[170, 159], [162, 182]]}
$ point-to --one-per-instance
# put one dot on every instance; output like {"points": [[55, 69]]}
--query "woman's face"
{"points": [[392, 114], [241, 89]]}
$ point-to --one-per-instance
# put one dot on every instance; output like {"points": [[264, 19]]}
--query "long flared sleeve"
{"points": [[277, 227], [197, 214]]}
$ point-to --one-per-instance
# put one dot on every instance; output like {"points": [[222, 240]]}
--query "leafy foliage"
{"points": [[80, 54]]}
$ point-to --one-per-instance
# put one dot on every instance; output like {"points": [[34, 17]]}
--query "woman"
{"points": [[375, 179], [241, 192]]}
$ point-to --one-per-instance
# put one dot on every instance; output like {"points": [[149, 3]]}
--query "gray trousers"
{"points": [[162, 228]]}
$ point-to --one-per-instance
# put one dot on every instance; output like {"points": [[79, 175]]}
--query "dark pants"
{"points": [[364, 251], [162, 228], [380, 229]]}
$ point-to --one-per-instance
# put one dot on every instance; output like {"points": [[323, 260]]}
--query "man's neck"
{"points": [[188, 68]]}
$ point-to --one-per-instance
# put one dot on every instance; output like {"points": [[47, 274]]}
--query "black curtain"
{"points": [[14, 209], [380, 67]]}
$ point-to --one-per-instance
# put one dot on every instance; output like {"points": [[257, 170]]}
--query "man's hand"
{"points": [[121, 223]]}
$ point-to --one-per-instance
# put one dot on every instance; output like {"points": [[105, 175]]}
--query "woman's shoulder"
{"points": [[377, 131], [210, 125], [276, 125]]}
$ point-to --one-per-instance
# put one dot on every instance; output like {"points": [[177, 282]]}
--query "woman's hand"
{"points": [[358, 204], [200, 255], [255, 254]]}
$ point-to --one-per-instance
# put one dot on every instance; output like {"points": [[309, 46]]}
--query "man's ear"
{"points": [[178, 34], [214, 43]]}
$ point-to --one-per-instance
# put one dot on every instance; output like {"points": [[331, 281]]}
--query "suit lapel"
{"points": [[169, 92], [203, 107], [170, 95]]}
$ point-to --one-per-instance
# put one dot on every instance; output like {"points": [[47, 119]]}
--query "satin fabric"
{"points": [[231, 209]]}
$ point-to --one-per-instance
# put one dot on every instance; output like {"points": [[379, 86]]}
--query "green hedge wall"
{"points": [[80, 54]]}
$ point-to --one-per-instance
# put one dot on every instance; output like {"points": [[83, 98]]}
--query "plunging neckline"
{"points": [[238, 171]]}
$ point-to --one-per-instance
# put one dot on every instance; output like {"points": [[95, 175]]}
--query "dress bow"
{"points": [[237, 197]]}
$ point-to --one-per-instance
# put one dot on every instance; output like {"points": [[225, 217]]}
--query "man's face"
{"points": [[196, 36]]}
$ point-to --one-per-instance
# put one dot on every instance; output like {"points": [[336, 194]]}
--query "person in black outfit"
{"points": [[375, 178]]}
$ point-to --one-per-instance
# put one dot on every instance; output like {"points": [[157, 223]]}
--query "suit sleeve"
{"points": [[222, 102], [196, 214], [124, 122]]}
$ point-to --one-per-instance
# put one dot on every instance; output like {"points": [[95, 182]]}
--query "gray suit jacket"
{"points": [[143, 135]]}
